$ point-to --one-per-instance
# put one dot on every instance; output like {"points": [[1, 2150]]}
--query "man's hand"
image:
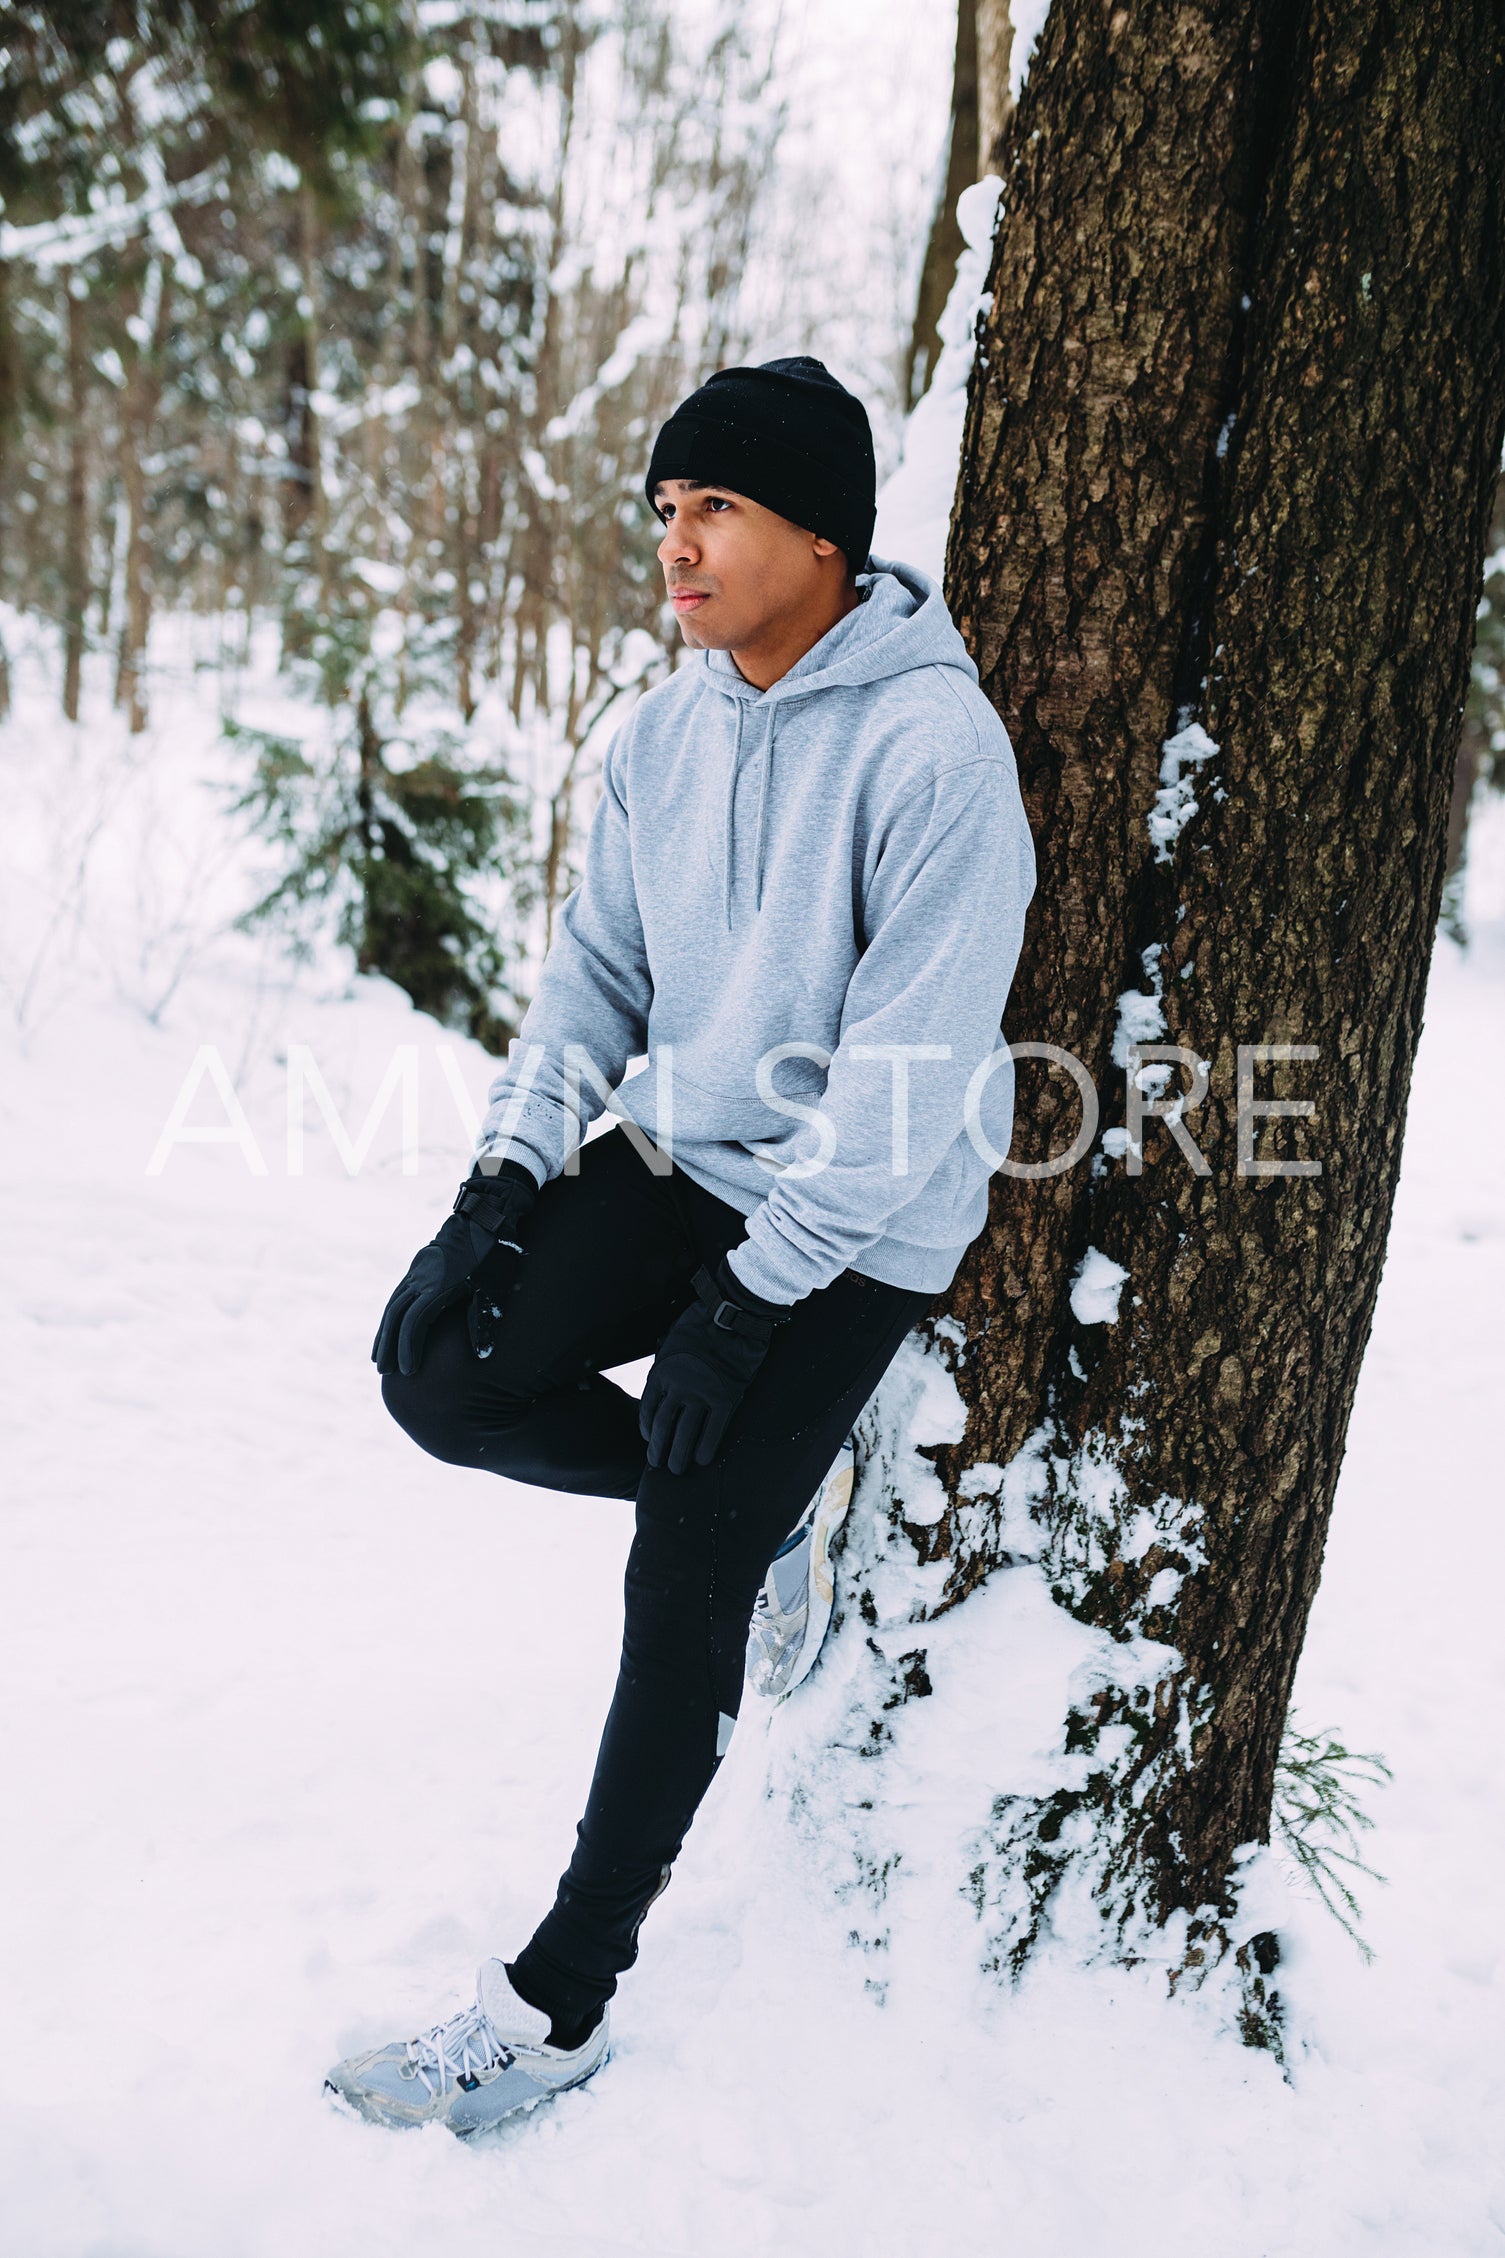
{"points": [[703, 1370], [486, 1228]]}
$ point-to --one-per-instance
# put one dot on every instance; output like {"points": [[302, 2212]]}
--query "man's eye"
{"points": [[717, 502]]}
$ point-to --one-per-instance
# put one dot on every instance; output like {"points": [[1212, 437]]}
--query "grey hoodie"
{"points": [[840, 864]]}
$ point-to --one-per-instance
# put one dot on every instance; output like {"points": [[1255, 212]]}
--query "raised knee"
{"points": [[431, 1413]]}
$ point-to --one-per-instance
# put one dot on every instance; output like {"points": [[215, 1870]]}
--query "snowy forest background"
{"points": [[328, 362], [338, 348], [336, 354]]}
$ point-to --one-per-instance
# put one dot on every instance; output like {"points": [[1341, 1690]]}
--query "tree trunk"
{"points": [[466, 415], [556, 862], [298, 431], [1230, 454], [9, 410], [368, 770], [944, 247], [995, 103], [302, 481], [76, 504], [317, 522], [142, 398], [130, 685]]}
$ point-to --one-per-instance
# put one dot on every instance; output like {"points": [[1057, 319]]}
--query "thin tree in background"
{"points": [[148, 326], [981, 104], [368, 323], [995, 99], [944, 245], [119, 130], [76, 519]]}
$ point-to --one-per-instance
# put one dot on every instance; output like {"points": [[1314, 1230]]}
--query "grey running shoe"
{"points": [[489, 2062], [793, 1611]]}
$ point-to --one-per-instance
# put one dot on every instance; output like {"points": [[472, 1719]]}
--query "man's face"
{"points": [[734, 570]]}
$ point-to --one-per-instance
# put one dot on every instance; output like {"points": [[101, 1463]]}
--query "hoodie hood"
{"points": [[901, 624]]}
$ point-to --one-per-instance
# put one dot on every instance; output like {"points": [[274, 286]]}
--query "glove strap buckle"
{"points": [[481, 1206], [728, 1316]]}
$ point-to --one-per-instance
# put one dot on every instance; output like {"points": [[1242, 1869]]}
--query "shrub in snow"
{"points": [[395, 837]]}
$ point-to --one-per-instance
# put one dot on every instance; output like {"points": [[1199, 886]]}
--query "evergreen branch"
{"points": [[1318, 1817]]}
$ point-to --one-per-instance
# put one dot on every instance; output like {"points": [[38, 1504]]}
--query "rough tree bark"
{"points": [[1229, 461]]}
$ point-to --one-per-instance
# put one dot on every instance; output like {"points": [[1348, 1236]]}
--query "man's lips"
{"points": [[687, 599]]}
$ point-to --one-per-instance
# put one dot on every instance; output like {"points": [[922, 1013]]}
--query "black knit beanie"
{"points": [[786, 435]]}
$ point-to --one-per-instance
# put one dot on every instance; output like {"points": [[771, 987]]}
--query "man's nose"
{"points": [[676, 546]]}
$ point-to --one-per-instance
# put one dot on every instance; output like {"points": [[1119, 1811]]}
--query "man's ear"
{"points": [[825, 548]]}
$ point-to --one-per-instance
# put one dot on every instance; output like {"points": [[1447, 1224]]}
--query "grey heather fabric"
{"points": [[839, 863]]}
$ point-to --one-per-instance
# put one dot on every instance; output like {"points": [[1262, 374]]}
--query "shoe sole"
{"points": [[830, 1513], [835, 1504], [347, 2108], [472, 2133]]}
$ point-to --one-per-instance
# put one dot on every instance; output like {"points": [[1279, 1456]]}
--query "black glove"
{"points": [[701, 1373], [484, 1233]]}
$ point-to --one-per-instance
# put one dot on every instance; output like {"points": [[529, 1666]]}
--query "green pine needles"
{"points": [[1319, 1817], [397, 840]]}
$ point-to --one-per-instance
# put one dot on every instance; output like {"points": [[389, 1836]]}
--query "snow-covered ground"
{"points": [[298, 1722]]}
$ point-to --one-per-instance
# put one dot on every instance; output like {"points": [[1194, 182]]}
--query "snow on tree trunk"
{"points": [[944, 245], [1230, 452]]}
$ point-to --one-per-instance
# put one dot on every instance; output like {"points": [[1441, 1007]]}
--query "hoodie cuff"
{"points": [[489, 1159], [758, 1280], [756, 1305]]}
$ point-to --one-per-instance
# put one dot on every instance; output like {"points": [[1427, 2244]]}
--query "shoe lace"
{"points": [[466, 2047]]}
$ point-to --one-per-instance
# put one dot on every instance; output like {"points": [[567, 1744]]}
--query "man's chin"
{"points": [[699, 633]]}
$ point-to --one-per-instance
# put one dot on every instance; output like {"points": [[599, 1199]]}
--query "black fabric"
{"points": [[700, 1375], [612, 1255], [466, 1253], [787, 435]]}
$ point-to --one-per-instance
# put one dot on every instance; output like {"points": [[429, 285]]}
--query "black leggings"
{"points": [[611, 1255]]}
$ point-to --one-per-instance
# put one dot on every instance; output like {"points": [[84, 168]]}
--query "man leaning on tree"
{"points": [[803, 899]]}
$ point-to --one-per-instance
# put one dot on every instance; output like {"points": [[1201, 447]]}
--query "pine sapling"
{"points": [[1319, 1817]]}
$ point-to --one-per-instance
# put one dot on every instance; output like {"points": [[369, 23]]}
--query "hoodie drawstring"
{"points": [[773, 723], [731, 801], [761, 836], [899, 626]]}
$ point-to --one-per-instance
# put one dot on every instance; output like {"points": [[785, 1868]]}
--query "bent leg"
{"points": [[608, 1267], [581, 1437], [702, 1547]]}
